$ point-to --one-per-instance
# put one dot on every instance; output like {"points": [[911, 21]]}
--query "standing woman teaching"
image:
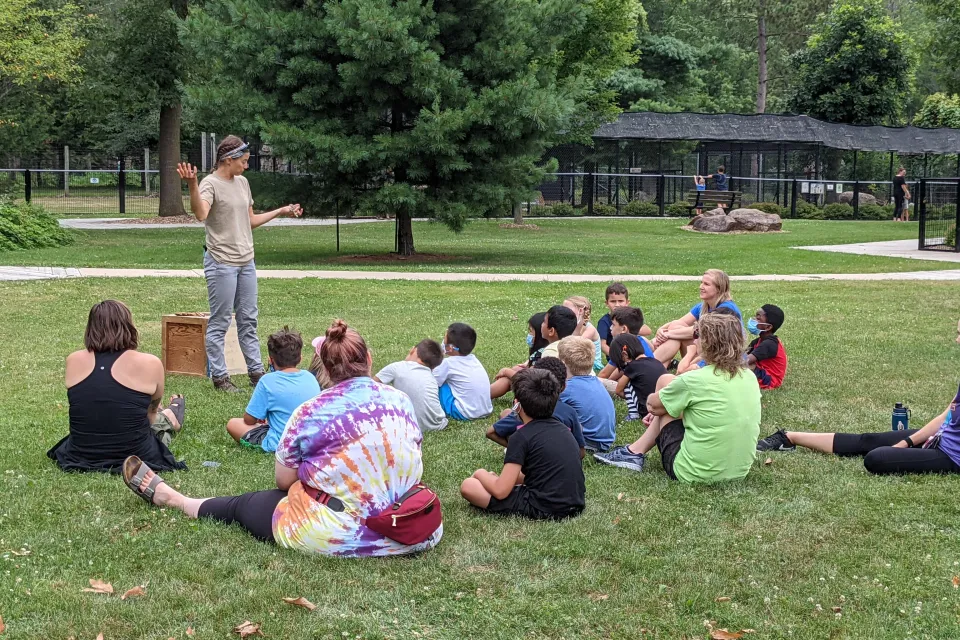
{"points": [[223, 203]]}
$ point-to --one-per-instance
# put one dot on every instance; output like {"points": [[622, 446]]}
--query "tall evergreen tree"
{"points": [[439, 109]]}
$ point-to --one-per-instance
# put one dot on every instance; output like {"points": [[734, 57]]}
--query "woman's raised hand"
{"points": [[294, 210], [187, 172]]}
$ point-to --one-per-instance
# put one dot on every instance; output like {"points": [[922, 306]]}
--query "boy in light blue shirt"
{"points": [[587, 395], [277, 395]]}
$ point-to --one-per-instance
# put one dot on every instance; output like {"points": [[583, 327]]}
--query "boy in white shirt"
{"points": [[414, 376], [464, 384]]}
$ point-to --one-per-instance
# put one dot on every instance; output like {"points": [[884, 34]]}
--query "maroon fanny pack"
{"points": [[411, 519]]}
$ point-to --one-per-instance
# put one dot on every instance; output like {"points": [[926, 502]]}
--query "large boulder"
{"points": [[714, 212], [865, 198], [715, 224], [755, 220]]}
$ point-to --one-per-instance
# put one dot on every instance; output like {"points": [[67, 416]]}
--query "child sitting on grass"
{"points": [[277, 394], [640, 373], [585, 393], [535, 343], [541, 478], [509, 421], [624, 320], [765, 354], [414, 376], [582, 308], [464, 385], [558, 323]]}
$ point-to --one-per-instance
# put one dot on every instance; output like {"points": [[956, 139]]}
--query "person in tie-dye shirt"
{"points": [[357, 442]]}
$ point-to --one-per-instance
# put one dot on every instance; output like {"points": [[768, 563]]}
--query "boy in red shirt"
{"points": [[766, 356]]}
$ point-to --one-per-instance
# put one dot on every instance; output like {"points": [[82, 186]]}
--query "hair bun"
{"points": [[337, 330]]}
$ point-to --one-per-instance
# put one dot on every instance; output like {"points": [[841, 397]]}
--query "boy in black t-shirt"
{"points": [[541, 478], [640, 373]]}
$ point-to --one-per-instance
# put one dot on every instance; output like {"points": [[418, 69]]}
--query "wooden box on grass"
{"points": [[183, 349]]}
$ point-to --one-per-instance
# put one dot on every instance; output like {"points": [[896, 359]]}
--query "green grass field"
{"points": [[558, 246], [649, 558]]}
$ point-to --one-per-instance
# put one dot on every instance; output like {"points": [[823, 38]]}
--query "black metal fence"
{"points": [[938, 213]]}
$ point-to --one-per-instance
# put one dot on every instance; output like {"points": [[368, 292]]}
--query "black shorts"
{"points": [[255, 437], [668, 442], [518, 504]]}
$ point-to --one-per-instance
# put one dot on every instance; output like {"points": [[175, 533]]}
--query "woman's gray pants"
{"points": [[231, 290]]}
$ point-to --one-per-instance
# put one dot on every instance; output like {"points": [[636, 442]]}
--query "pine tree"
{"points": [[436, 108]]}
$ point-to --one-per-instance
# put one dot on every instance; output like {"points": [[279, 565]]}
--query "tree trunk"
{"points": [[517, 213], [405, 239], [762, 58], [171, 197]]}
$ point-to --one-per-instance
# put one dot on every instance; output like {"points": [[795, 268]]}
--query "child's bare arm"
{"points": [[500, 486], [492, 435]]}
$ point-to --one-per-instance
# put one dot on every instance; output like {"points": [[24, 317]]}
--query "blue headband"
{"points": [[236, 153]]}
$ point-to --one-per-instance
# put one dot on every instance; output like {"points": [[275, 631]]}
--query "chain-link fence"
{"points": [[938, 213]]}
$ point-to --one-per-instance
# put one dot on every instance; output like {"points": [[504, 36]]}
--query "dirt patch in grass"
{"points": [[511, 225], [391, 258], [731, 233]]}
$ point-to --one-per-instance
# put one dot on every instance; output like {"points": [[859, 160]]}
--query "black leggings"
{"points": [[882, 458], [252, 511]]}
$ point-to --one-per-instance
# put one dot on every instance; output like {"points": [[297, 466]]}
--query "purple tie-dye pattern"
{"points": [[359, 442]]}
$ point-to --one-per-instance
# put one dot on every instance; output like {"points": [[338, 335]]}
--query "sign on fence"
{"points": [[94, 180]]}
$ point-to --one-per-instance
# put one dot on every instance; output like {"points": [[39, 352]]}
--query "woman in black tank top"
{"points": [[109, 421]]}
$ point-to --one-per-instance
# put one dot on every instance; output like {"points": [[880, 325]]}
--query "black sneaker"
{"points": [[255, 377], [672, 367], [224, 383], [776, 442]]}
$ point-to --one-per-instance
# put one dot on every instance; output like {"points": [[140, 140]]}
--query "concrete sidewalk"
{"points": [[41, 273], [100, 224], [888, 249]]}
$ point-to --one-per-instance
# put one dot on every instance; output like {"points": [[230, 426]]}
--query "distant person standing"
{"points": [[901, 197], [223, 202], [720, 179]]}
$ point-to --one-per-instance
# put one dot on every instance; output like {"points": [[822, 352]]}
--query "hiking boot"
{"points": [[224, 383], [255, 377], [622, 457], [776, 442]]}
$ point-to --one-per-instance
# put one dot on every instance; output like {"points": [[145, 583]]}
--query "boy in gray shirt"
{"points": [[414, 376]]}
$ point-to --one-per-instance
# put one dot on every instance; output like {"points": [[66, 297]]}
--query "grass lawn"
{"points": [[649, 558], [558, 246]]}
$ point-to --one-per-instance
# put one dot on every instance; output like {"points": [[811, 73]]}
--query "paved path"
{"points": [[40, 273], [111, 223], [888, 249]]}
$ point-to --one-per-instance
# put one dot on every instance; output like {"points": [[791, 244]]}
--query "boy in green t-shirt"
{"points": [[704, 422]]}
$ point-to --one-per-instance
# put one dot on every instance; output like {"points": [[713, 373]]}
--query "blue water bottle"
{"points": [[901, 417]]}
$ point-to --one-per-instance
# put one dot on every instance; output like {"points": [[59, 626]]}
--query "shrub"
{"points": [[678, 210], [768, 207], [562, 210], [873, 212], [604, 210], [952, 235], [838, 211], [809, 211], [26, 226], [641, 209]]}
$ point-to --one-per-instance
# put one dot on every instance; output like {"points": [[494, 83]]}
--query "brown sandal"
{"points": [[134, 471]]}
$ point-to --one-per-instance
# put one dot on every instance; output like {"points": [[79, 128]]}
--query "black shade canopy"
{"points": [[771, 128]]}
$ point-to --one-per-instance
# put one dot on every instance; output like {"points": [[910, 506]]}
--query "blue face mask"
{"points": [[529, 340], [754, 327]]}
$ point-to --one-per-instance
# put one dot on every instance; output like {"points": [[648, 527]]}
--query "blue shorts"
{"points": [[449, 404]]}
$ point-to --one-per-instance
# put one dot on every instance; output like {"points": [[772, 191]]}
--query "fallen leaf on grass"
{"points": [[723, 599], [836, 609], [619, 496], [598, 597], [956, 582], [97, 586], [723, 634], [768, 461], [301, 602], [190, 631], [247, 629], [99, 636], [21, 553], [3, 627], [133, 593]]}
